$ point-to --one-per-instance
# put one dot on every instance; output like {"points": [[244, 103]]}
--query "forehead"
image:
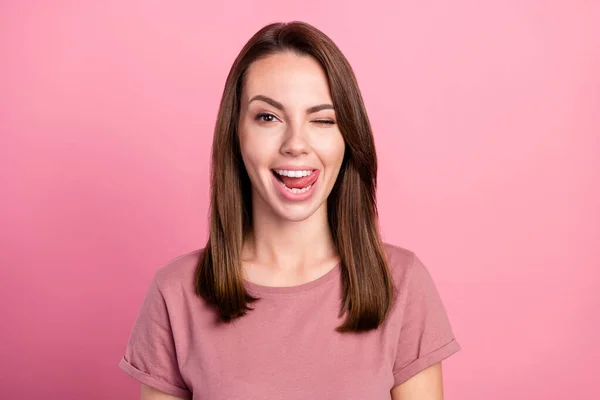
{"points": [[287, 77]]}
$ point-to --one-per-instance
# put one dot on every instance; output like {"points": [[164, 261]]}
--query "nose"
{"points": [[295, 140]]}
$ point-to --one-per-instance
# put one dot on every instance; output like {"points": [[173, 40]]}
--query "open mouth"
{"points": [[298, 181]]}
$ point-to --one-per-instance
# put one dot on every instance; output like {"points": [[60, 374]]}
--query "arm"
{"points": [[426, 385], [150, 356], [149, 393]]}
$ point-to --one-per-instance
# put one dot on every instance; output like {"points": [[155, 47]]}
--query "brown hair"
{"points": [[366, 280]]}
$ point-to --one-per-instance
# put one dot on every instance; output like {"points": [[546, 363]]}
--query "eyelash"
{"points": [[321, 121]]}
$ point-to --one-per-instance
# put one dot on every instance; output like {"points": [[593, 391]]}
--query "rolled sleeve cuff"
{"points": [[153, 382], [425, 361]]}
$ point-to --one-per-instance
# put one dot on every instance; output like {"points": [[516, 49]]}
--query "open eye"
{"points": [[266, 117]]}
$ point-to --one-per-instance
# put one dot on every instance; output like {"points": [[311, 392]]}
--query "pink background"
{"points": [[487, 123]]}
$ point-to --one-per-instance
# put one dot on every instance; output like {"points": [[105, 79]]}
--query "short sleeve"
{"points": [[426, 336], [150, 356]]}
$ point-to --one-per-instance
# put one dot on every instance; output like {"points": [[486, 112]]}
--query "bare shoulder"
{"points": [[149, 393]]}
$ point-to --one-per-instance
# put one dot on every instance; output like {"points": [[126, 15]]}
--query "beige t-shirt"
{"points": [[287, 347]]}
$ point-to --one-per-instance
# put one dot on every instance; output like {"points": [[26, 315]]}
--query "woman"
{"points": [[294, 295]]}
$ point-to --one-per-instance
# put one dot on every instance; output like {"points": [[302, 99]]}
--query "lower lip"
{"points": [[291, 196]]}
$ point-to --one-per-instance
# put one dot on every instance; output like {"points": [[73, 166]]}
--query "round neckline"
{"points": [[322, 280]]}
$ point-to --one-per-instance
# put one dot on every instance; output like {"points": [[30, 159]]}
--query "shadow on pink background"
{"points": [[487, 122]]}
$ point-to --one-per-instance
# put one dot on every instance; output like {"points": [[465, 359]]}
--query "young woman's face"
{"points": [[290, 142]]}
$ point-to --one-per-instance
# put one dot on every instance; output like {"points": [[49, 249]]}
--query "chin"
{"points": [[297, 213]]}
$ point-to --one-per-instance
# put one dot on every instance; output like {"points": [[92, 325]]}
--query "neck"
{"points": [[289, 245]]}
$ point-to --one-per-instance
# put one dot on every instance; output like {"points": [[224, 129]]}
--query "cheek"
{"points": [[332, 150], [254, 149]]}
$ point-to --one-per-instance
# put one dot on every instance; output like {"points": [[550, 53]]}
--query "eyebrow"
{"points": [[280, 107]]}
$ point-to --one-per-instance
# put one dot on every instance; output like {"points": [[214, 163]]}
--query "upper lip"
{"points": [[293, 168]]}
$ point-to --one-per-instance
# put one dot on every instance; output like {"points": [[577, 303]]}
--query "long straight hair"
{"points": [[367, 285]]}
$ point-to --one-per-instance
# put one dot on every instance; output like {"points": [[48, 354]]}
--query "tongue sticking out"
{"points": [[298, 183]]}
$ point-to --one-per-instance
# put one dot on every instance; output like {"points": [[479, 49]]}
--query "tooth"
{"points": [[292, 173]]}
